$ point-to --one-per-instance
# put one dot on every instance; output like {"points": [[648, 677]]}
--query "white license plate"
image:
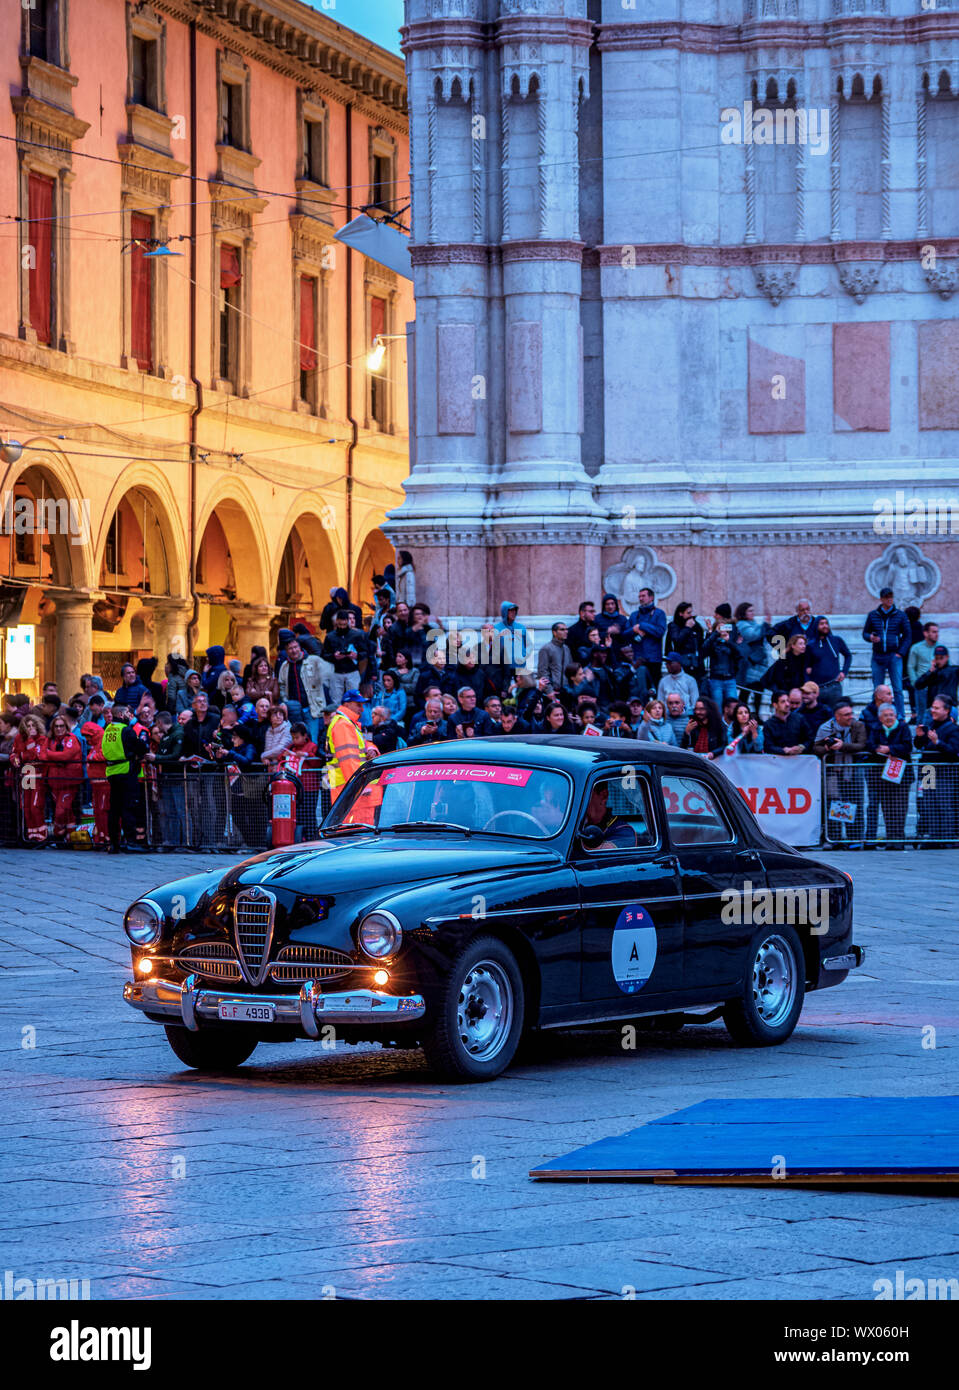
{"points": [[247, 1013]]}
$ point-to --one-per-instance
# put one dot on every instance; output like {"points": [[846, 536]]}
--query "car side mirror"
{"points": [[591, 836]]}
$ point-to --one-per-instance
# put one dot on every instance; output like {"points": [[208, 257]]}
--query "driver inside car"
{"points": [[618, 832]]}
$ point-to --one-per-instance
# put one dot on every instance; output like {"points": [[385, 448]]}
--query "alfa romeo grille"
{"points": [[253, 913], [295, 964], [217, 959]]}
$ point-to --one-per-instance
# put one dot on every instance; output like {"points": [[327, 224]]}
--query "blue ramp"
{"points": [[884, 1139]]}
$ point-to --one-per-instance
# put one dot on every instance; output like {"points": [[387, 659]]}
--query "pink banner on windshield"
{"points": [[459, 772]]}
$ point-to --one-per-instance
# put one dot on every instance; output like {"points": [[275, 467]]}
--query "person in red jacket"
{"points": [[26, 756], [63, 754], [99, 786]]}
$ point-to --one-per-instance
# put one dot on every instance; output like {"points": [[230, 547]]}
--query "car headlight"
{"points": [[143, 922], [380, 935]]}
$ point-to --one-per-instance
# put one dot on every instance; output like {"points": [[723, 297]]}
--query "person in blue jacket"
{"points": [[512, 636], [830, 660], [889, 632], [647, 628]]}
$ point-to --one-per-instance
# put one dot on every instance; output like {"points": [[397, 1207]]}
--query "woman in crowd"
{"points": [[393, 696], [26, 757], [793, 668], [705, 732], [262, 681], [278, 738], [555, 720], [63, 754], [655, 728], [754, 661], [746, 735], [686, 636]]}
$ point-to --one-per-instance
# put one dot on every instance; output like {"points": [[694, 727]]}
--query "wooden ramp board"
{"points": [[885, 1139]]}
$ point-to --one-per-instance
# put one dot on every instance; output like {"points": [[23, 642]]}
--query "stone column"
{"points": [[252, 627], [171, 618], [74, 641]]}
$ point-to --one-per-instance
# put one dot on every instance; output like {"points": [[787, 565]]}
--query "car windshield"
{"points": [[474, 797]]}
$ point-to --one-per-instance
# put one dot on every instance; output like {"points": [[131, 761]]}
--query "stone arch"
{"points": [[147, 494], [372, 554], [65, 553], [309, 561], [241, 573]]}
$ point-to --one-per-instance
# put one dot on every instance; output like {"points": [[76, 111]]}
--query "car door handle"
{"points": [[668, 861], [751, 854]]}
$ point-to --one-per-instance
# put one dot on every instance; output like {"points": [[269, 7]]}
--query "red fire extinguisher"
{"points": [[284, 787]]}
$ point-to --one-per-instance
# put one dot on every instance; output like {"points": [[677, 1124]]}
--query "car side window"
{"points": [[620, 806], [693, 812]]}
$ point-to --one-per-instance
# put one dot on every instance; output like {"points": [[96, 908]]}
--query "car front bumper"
{"points": [[309, 1011]]}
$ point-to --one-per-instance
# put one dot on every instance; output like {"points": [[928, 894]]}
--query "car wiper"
{"points": [[347, 829], [428, 825]]}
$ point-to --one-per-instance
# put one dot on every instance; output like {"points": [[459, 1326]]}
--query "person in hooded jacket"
{"points": [[176, 669], [610, 612], [512, 636], [340, 599], [686, 636], [216, 665]]}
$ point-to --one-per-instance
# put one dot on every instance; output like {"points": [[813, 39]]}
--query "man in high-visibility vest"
{"points": [[123, 751], [347, 747]]}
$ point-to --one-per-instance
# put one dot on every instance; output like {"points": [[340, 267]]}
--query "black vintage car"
{"points": [[462, 894]]}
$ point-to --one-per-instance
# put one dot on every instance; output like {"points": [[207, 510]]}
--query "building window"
{"points": [[144, 71], [231, 115], [41, 32], [382, 171], [314, 151], [141, 292], [231, 280], [379, 380], [307, 341], [41, 261]]}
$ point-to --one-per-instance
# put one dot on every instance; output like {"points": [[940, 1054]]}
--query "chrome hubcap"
{"points": [[774, 980], [484, 1012]]}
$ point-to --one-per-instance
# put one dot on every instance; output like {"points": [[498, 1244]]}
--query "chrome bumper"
{"points": [[850, 960], [309, 1011]]}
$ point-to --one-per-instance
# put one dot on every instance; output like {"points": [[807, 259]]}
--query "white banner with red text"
{"points": [[784, 794]]}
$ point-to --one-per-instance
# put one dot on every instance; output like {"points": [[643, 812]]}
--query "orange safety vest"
{"points": [[346, 747]]}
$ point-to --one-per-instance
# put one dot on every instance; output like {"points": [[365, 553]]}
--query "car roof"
{"points": [[572, 752]]}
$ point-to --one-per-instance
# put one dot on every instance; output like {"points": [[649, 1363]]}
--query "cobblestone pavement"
{"points": [[353, 1174]]}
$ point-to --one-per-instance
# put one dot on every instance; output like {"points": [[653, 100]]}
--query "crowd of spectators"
{"points": [[699, 683]]}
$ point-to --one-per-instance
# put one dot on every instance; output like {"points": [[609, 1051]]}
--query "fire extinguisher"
{"points": [[284, 788]]}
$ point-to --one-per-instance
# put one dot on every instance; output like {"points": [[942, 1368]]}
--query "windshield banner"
{"points": [[459, 772]]}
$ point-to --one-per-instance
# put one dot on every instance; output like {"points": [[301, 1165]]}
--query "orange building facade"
{"points": [[205, 452]]}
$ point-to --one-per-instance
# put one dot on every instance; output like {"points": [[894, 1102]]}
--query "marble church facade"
{"points": [[645, 348]]}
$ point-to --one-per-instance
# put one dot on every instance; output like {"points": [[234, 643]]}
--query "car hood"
{"points": [[384, 861]]}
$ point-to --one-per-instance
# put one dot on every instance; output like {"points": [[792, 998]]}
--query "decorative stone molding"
{"points": [[452, 253], [808, 253], [859, 278], [903, 568], [542, 251], [775, 281], [944, 279], [639, 568]]}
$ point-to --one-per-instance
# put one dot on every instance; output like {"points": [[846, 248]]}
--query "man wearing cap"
{"points": [[346, 746], [889, 631], [677, 682], [940, 679]]}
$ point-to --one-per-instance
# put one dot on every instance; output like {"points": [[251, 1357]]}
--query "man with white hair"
{"points": [[386, 735], [882, 695], [803, 623]]}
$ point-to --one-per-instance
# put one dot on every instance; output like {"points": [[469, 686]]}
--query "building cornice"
{"points": [[546, 29], [928, 27], [809, 253], [450, 253], [538, 250], [303, 44]]}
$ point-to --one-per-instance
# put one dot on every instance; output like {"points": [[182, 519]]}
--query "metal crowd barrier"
{"points": [[209, 807], [862, 807]]}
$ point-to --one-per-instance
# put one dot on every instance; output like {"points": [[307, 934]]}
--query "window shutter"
{"points": [[40, 238], [229, 267], [377, 318], [307, 324], [141, 296]]}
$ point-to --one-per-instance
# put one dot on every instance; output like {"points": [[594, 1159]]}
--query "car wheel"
{"points": [[773, 992], [479, 1016], [213, 1051]]}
